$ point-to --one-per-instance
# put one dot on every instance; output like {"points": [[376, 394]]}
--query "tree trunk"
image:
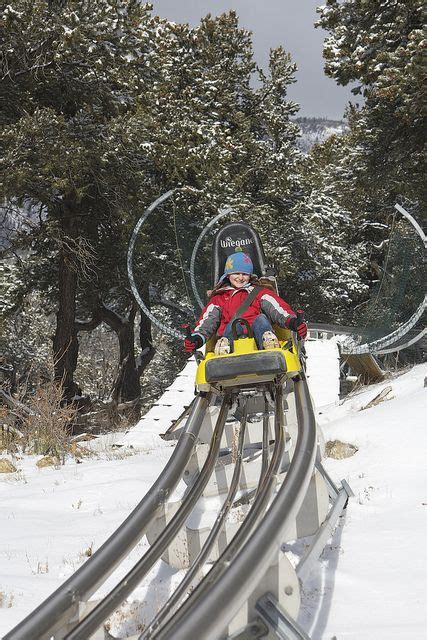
{"points": [[130, 386], [127, 386], [145, 335], [65, 343]]}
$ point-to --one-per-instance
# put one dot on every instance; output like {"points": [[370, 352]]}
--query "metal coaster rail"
{"points": [[189, 579], [265, 489], [119, 594], [51, 617], [233, 576]]}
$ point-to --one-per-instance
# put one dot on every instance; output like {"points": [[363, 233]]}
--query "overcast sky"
{"points": [[277, 22]]}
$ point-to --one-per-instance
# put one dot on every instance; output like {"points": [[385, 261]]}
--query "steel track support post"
{"points": [[332, 487], [275, 617], [325, 531], [82, 610], [253, 631]]}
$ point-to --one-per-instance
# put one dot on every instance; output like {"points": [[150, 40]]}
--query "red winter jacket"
{"points": [[224, 304]]}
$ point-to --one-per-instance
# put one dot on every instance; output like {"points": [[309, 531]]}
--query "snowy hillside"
{"points": [[371, 579], [316, 130]]}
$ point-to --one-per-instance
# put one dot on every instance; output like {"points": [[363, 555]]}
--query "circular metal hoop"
{"points": [[220, 215], [162, 326]]}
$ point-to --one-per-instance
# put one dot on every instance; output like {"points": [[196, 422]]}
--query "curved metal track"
{"points": [[266, 487], [209, 226], [51, 618], [392, 342], [238, 568], [378, 346], [404, 344], [190, 578], [119, 594]]}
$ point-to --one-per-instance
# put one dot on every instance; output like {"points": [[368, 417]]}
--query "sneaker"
{"points": [[270, 341], [222, 347]]}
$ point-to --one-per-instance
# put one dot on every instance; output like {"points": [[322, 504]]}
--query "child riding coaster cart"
{"points": [[239, 294]]}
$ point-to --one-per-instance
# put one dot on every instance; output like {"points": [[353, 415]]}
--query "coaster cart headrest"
{"points": [[236, 236]]}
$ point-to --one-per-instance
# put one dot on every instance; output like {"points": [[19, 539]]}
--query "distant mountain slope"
{"points": [[315, 130]]}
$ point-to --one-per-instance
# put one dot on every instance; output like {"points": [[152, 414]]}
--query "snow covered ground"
{"points": [[371, 580]]}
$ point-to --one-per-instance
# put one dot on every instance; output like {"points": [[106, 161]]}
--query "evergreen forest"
{"points": [[106, 106]]}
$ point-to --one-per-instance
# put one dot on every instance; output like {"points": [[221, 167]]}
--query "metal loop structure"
{"points": [[209, 226], [394, 341], [153, 206], [381, 346], [384, 345]]}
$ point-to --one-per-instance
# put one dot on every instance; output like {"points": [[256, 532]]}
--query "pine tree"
{"points": [[71, 74], [380, 159], [379, 45], [112, 107]]}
